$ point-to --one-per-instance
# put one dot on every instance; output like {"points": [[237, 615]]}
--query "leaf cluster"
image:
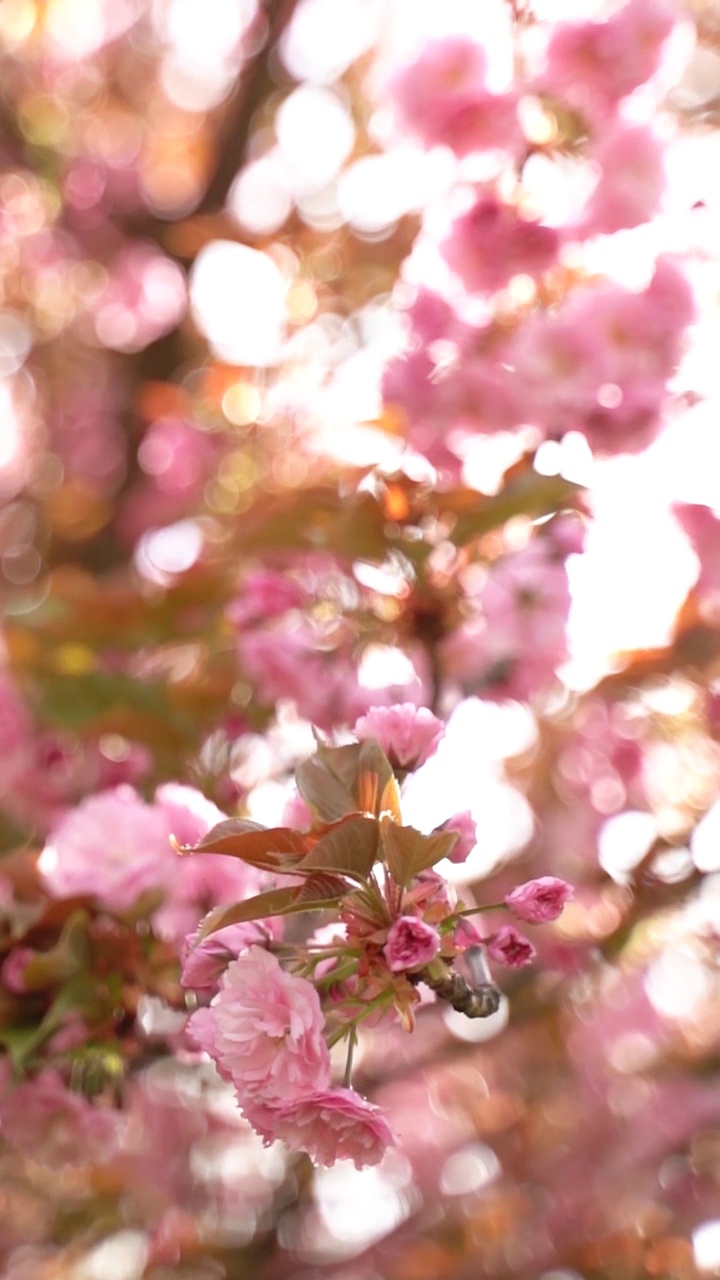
{"points": [[355, 800]]}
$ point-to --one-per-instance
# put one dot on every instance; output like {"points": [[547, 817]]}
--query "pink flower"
{"points": [[632, 181], [411, 944], [330, 1125], [491, 243], [265, 594], [702, 527], [600, 363], [538, 901], [264, 1030], [594, 65], [408, 735], [13, 969], [112, 847], [205, 962], [507, 946], [442, 98], [58, 1127], [466, 828], [144, 296], [514, 646]]}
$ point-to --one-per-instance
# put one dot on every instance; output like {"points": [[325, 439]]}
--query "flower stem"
{"points": [[352, 1041]]}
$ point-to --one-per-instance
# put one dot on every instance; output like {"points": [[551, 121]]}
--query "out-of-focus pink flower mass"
{"points": [[359, 513]]}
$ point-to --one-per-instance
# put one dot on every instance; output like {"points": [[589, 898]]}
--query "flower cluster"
{"points": [[277, 1008]]}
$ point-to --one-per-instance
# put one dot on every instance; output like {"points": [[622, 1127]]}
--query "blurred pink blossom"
{"points": [[112, 847], [703, 529], [466, 827], [442, 98], [57, 1127], [631, 184], [594, 65], [263, 595], [144, 297], [513, 648], [493, 242], [13, 968]]}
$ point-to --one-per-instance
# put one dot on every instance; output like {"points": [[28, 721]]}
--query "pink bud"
{"points": [[411, 944], [13, 970], [466, 829], [507, 946], [539, 901]]}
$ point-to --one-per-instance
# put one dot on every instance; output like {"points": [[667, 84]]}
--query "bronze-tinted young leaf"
{"points": [[321, 886], [373, 776], [269, 848], [350, 848], [228, 828], [390, 799], [342, 780], [525, 492], [276, 902], [408, 852], [320, 786]]}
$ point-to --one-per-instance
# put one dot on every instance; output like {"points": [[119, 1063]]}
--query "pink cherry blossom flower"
{"points": [[442, 98], [264, 1030], [411, 943], [594, 65], [144, 296], [466, 827], [58, 1127], [702, 527], [13, 969], [265, 594], [631, 184], [601, 363], [538, 901], [480, 121], [408, 735], [492, 242], [508, 947], [330, 1125], [513, 647], [205, 962], [112, 847]]}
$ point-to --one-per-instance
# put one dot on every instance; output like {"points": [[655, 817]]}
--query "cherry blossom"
{"points": [[264, 1030]]}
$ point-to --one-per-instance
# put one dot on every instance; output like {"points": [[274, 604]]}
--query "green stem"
{"points": [[491, 906], [352, 1041]]}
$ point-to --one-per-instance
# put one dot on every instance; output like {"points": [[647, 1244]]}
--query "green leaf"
{"points": [[349, 849], [69, 956], [408, 852], [20, 1043], [316, 894], [527, 493], [351, 524]]}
